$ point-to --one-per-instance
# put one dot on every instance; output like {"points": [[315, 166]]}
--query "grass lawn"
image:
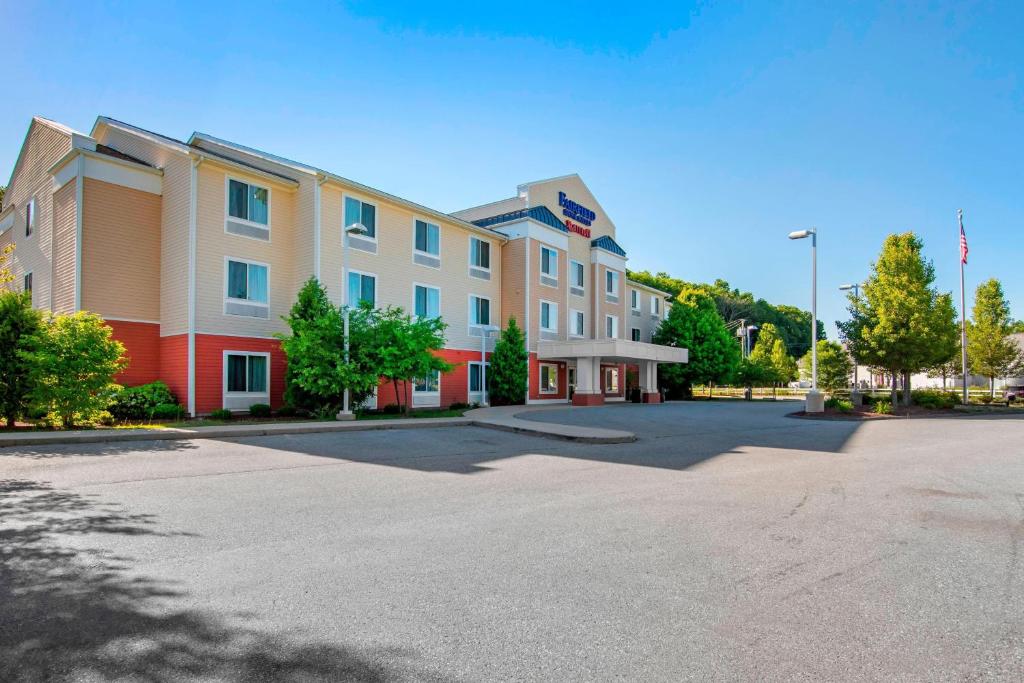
{"points": [[448, 412]]}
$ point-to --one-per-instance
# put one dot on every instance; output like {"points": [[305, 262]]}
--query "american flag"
{"points": [[963, 245]]}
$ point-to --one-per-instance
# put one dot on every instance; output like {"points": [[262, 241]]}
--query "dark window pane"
{"points": [[236, 373], [421, 301], [421, 236], [238, 199], [237, 280], [257, 373], [368, 286], [370, 219]]}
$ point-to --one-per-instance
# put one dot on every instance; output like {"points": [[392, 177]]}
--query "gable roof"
{"points": [[608, 244], [541, 214], [76, 138]]}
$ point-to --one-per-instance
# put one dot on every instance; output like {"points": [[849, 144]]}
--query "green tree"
{"points": [[6, 277], [901, 322], [949, 369], [693, 323], [509, 373], [73, 366], [405, 348], [769, 353], [751, 373], [989, 349], [835, 367], [19, 337], [1017, 327], [317, 373]]}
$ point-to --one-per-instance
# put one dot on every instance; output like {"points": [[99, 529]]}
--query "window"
{"points": [[427, 302], [548, 379], [576, 323], [246, 373], [479, 310], [357, 211], [248, 202], [634, 299], [30, 217], [634, 333], [576, 275], [611, 380], [247, 282], [548, 262], [28, 283], [611, 283], [479, 253], [611, 326], [548, 316], [361, 287], [431, 384], [475, 376], [655, 306], [428, 238]]}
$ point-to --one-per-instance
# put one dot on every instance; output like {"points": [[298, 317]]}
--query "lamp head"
{"points": [[800, 234], [845, 288]]}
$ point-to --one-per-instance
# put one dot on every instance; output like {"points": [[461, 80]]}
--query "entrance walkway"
{"points": [[506, 418]]}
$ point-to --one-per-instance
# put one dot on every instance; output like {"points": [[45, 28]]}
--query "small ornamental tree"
{"points": [[770, 354], [509, 373], [989, 349], [73, 366], [834, 365], [406, 349], [693, 323], [19, 336]]}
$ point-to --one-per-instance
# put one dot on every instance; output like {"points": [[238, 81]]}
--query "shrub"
{"points": [[286, 411], [221, 414], [933, 399], [167, 411], [986, 399], [391, 409], [509, 371], [19, 333], [104, 418], [883, 407], [137, 403], [459, 405], [840, 404], [259, 410]]}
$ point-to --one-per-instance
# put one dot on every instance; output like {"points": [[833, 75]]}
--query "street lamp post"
{"points": [[485, 331], [856, 295], [354, 229], [815, 401]]}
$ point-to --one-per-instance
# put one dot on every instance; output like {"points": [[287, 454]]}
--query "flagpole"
{"points": [[963, 309]]}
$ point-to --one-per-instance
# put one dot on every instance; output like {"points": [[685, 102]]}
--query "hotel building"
{"points": [[193, 250]]}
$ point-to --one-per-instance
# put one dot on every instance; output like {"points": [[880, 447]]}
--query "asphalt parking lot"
{"points": [[729, 542]]}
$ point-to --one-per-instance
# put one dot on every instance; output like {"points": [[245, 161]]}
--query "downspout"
{"points": [[526, 315], [192, 228], [79, 197]]}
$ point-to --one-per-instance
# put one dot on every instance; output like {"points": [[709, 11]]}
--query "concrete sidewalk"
{"points": [[503, 418]]}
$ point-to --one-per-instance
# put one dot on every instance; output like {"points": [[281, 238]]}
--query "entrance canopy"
{"points": [[611, 351]]}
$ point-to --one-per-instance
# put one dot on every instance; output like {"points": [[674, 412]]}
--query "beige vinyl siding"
{"points": [[64, 241], [43, 147], [174, 218], [394, 268], [546, 193], [121, 244], [644, 321], [604, 308], [214, 244], [559, 295], [513, 295]]}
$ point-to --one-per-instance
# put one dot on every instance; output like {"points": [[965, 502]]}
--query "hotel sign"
{"points": [[576, 212]]}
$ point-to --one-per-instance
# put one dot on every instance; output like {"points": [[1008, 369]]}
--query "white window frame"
{"points": [[361, 273], [415, 251], [490, 311], [615, 326], [540, 377], [638, 335], [554, 261], [225, 394], [573, 313], [615, 280], [469, 376], [552, 316], [608, 372], [427, 286], [490, 253], [582, 271], [248, 302], [376, 219], [246, 221], [429, 399], [655, 306], [30, 217], [634, 299], [31, 284]]}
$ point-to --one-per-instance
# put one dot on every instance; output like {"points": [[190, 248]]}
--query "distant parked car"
{"points": [[1014, 394]]}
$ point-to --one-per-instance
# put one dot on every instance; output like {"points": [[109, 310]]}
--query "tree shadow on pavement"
{"points": [[70, 612], [94, 449]]}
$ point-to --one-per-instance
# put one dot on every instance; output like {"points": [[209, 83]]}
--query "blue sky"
{"points": [[707, 131]]}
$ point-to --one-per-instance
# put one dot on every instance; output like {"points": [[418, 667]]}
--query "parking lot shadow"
{"points": [[70, 612]]}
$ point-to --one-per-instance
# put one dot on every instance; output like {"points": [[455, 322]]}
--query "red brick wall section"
{"points": [[563, 380], [454, 385], [142, 349], [174, 365], [210, 368]]}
